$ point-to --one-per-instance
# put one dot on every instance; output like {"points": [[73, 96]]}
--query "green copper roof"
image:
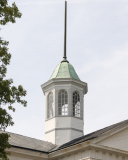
{"points": [[64, 70]]}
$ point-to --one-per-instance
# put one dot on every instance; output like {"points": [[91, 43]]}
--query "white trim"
{"points": [[85, 146], [71, 116], [66, 85], [110, 133], [64, 129], [49, 89], [26, 153], [63, 79]]}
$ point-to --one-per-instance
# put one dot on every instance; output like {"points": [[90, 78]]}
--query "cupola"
{"points": [[64, 101]]}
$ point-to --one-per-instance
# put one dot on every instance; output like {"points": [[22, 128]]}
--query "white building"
{"points": [[110, 143], [65, 140]]}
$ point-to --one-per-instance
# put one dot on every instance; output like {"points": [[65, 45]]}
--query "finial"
{"points": [[65, 32]]}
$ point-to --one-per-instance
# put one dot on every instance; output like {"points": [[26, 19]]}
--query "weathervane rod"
{"points": [[65, 30]]}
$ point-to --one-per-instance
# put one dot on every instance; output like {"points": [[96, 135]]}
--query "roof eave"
{"points": [[55, 80]]}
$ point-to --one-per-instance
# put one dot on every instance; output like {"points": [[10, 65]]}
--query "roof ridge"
{"points": [[120, 124], [69, 70], [54, 71], [77, 77], [58, 70]]}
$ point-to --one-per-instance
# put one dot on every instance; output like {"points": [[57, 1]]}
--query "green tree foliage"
{"points": [[3, 145], [8, 13], [9, 94]]}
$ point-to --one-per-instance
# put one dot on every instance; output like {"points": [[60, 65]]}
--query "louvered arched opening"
{"points": [[76, 104], [62, 102], [50, 105]]}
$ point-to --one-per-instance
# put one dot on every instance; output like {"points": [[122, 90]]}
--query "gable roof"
{"points": [[24, 142], [90, 136]]}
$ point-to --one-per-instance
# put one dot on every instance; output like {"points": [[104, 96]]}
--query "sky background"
{"points": [[97, 47]]}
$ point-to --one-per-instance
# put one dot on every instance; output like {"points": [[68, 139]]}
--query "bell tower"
{"points": [[64, 101]]}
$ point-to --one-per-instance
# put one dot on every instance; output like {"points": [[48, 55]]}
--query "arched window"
{"points": [[63, 102], [76, 104], [50, 105]]}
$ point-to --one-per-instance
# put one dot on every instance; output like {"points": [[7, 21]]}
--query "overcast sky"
{"points": [[97, 47]]}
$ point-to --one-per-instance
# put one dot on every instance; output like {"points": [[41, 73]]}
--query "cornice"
{"points": [[62, 116], [110, 133], [86, 146], [66, 151], [57, 82], [66, 128], [26, 152], [63, 80]]}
